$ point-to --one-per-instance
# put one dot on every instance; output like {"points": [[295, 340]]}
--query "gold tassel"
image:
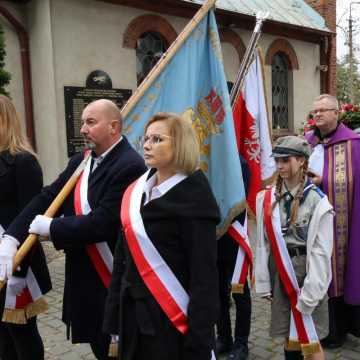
{"points": [[309, 349], [20, 316], [113, 350], [14, 316], [292, 345], [35, 308], [237, 288]]}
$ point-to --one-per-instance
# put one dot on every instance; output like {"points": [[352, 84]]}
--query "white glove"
{"points": [[40, 225], [8, 249], [16, 284], [114, 338]]}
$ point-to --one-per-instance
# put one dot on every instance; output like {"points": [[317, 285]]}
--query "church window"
{"points": [[149, 49], [280, 91]]}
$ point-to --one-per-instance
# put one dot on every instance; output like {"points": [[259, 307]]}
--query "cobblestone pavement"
{"points": [[260, 344]]}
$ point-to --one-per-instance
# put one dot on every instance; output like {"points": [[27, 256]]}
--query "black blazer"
{"points": [[182, 227], [84, 293], [20, 180]]}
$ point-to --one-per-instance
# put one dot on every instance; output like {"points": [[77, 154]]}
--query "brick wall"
{"points": [[327, 9]]}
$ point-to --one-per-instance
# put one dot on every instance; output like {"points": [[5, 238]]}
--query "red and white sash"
{"points": [[19, 308], [31, 293], [302, 330], [156, 274], [99, 253], [244, 258]]}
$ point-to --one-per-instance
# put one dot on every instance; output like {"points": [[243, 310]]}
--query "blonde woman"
{"points": [[293, 253], [20, 180], [163, 298]]}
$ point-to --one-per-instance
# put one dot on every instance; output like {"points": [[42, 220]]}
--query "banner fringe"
{"points": [[37, 307], [113, 350], [293, 345], [237, 288], [20, 316], [310, 349]]}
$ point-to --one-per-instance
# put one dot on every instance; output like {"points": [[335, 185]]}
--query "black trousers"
{"points": [[227, 252], [343, 318], [21, 342], [100, 347]]}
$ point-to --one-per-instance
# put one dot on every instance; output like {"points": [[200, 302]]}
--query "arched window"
{"points": [[280, 91], [149, 48]]}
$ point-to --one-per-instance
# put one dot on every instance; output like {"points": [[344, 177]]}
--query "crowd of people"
{"points": [[145, 276]]}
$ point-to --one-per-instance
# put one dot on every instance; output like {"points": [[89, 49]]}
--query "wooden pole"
{"points": [[166, 57], [50, 212]]}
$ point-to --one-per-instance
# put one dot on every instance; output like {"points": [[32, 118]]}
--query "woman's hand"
{"points": [[316, 179]]}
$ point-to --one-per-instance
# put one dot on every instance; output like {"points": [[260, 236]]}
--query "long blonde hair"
{"points": [[298, 196], [11, 137]]}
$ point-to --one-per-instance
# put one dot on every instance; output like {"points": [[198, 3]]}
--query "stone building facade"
{"points": [[52, 44]]}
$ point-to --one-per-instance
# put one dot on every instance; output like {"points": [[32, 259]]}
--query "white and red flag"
{"points": [[252, 129], [254, 144]]}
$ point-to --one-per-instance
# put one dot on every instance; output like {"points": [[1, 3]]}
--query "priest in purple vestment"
{"points": [[339, 177]]}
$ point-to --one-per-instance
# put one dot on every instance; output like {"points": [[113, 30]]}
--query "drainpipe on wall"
{"points": [[327, 75], [330, 75], [26, 72], [324, 59]]}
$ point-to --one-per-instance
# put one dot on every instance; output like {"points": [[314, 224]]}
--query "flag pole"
{"points": [[248, 57], [166, 58]]}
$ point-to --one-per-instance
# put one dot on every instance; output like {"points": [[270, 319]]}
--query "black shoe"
{"points": [[331, 342], [293, 355], [223, 345], [239, 352]]}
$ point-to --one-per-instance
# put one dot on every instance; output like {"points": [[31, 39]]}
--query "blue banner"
{"points": [[193, 84]]}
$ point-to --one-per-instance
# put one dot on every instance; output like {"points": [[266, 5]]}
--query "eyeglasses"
{"points": [[314, 112], [153, 139]]}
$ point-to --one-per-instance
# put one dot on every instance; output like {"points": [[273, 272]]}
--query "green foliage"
{"points": [[4, 75], [343, 80]]}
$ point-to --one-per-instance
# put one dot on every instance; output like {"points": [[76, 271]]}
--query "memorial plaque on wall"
{"points": [[76, 98]]}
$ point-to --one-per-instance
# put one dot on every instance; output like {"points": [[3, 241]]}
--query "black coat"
{"points": [[84, 292], [182, 226], [20, 180]]}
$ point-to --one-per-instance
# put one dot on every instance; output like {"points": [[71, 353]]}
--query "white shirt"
{"points": [[99, 159], [153, 192], [316, 160]]}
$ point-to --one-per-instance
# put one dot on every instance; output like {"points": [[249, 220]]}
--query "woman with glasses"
{"points": [[163, 297], [20, 180]]}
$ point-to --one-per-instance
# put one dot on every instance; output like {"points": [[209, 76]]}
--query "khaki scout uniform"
{"points": [[295, 236]]}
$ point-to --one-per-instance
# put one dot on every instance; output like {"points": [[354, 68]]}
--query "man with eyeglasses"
{"points": [[335, 163], [88, 230]]}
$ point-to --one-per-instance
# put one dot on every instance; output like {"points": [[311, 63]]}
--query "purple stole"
{"points": [[339, 182], [338, 185]]}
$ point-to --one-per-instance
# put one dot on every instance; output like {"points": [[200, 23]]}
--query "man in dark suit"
{"points": [[90, 220], [227, 253]]}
